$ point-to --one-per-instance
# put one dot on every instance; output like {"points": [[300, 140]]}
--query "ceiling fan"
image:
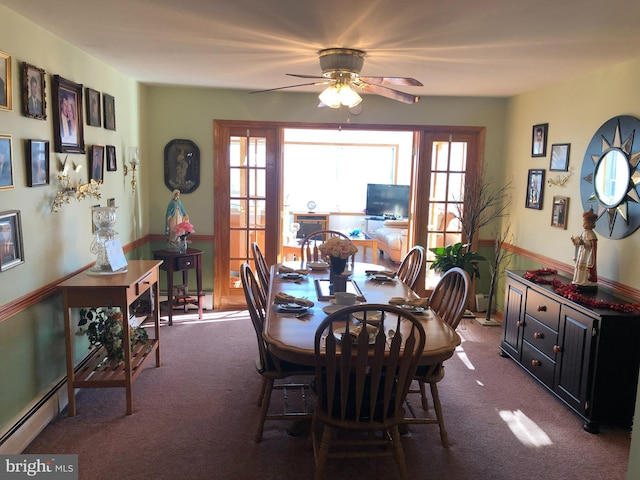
{"points": [[341, 72]]}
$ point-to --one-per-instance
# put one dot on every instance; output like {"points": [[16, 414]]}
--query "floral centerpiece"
{"points": [[337, 250], [104, 326], [183, 230]]}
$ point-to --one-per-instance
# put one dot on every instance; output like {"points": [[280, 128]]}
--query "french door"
{"points": [[246, 205]]}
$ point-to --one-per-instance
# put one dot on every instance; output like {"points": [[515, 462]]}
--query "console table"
{"points": [[120, 290], [588, 358], [174, 261]]}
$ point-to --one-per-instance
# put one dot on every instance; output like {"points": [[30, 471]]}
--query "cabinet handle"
{"points": [[536, 363], [538, 335], [520, 323], [187, 263], [542, 308], [557, 348]]}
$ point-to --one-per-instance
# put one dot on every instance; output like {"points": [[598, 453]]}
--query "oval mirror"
{"points": [[611, 178]]}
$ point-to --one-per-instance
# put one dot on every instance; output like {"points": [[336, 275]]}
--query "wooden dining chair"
{"points": [[448, 301], [269, 366], [410, 267], [309, 251], [261, 269], [362, 377]]}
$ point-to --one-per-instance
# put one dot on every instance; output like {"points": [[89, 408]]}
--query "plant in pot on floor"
{"points": [[104, 327]]}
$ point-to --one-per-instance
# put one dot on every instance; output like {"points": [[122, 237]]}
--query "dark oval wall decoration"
{"points": [[181, 165], [610, 177]]}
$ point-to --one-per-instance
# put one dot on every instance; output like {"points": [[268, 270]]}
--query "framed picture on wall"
{"points": [[68, 126], [181, 165], [559, 212], [539, 140], [535, 189], [5, 81], [34, 95], [109, 111], [37, 163], [11, 252], [6, 162], [559, 157], [96, 163], [112, 166], [93, 108]]}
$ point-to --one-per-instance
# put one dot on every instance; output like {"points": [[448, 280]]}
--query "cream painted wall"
{"points": [[575, 110]]}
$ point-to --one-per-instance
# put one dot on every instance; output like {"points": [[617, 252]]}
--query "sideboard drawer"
{"points": [[543, 309], [185, 263], [541, 336], [541, 366]]}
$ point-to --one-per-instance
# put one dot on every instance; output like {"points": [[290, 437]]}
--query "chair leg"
{"points": [[423, 395], [266, 400], [263, 387], [323, 451], [398, 453], [438, 408]]}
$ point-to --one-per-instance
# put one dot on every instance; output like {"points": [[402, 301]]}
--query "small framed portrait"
{"points": [[559, 157], [535, 189], [6, 162], [68, 126], [96, 163], [37, 163], [539, 140], [11, 252], [34, 104], [94, 117], [109, 111], [181, 165], [559, 212], [112, 166], [5, 81]]}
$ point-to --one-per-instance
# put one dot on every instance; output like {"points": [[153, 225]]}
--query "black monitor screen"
{"points": [[387, 200]]}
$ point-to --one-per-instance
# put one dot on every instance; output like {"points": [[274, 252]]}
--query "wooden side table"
{"points": [[174, 261], [118, 290]]}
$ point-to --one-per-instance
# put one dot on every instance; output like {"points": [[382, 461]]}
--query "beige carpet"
{"points": [[194, 418]]}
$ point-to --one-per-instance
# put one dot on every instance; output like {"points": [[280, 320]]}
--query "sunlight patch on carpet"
{"points": [[525, 429]]}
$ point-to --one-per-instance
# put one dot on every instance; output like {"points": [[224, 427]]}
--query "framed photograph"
{"points": [[109, 111], [112, 166], [535, 189], [37, 163], [182, 165], [6, 162], [96, 163], [94, 117], [11, 252], [5, 81], [560, 157], [559, 212], [539, 140], [68, 127], [34, 103]]}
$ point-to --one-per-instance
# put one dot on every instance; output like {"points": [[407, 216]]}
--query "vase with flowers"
{"points": [[183, 230], [337, 250], [104, 328]]}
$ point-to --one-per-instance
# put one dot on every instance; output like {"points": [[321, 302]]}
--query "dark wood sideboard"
{"points": [[588, 358]]}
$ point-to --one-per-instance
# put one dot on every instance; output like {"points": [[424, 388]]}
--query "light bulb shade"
{"points": [[331, 96], [349, 97], [134, 155], [340, 94]]}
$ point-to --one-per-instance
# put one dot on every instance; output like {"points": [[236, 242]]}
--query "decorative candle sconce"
{"points": [[134, 161]]}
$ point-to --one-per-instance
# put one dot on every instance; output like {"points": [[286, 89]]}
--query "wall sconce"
{"points": [[134, 161]]}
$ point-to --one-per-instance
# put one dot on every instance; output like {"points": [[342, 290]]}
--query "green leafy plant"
{"points": [[457, 255], [103, 327]]}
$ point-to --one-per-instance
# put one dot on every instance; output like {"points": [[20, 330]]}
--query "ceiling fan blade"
{"points": [[293, 86], [389, 93], [406, 81], [300, 75]]}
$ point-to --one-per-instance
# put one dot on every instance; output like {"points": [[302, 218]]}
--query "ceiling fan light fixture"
{"points": [[349, 97], [340, 94]]}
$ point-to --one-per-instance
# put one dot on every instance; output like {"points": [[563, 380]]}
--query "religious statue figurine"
{"points": [[175, 214], [585, 275]]}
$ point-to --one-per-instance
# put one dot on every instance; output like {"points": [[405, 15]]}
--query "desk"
{"points": [[174, 261], [119, 290], [292, 339]]}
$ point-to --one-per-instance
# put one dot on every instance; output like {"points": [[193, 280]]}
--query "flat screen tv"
{"points": [[387, 200]]}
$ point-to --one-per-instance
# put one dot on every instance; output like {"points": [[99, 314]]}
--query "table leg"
{"points": [[170, 293], [374, 247]]}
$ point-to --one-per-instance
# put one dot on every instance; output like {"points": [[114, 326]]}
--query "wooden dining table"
{"points": [[292, 339]]}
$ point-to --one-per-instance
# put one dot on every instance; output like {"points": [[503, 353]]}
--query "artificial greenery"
{"points": [[457, 255], [103, 327]]}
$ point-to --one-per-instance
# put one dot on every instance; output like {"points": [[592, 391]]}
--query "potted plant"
{"points": [[457, 255]]}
